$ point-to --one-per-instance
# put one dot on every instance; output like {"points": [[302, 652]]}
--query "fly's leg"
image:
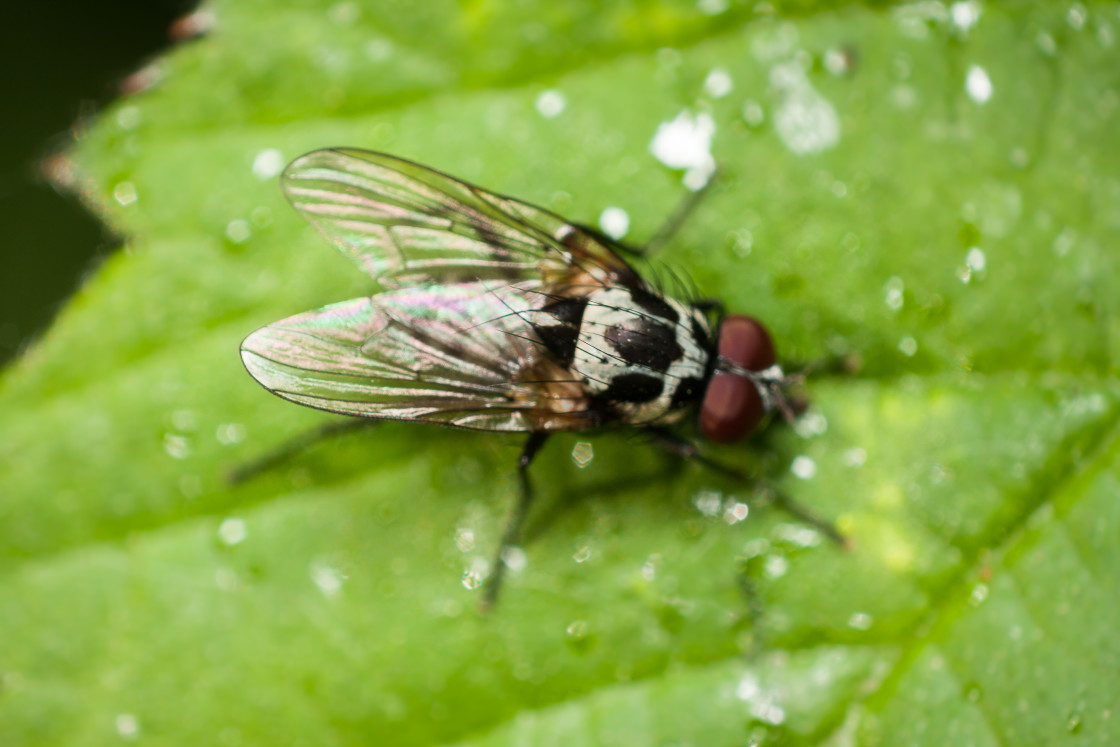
{"points": [[754, 609], [687, 450], [516, 519], [680, 215], [295, 446]]}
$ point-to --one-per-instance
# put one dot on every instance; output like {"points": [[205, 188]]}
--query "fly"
{"points": [[496, 315]]}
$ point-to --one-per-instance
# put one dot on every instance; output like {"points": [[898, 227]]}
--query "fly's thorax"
{"points": [[639, 355]]}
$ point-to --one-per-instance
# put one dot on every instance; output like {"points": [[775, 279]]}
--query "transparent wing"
{"points": [[458, 354], [407, 225]]}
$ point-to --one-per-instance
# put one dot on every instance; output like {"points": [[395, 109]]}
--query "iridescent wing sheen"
{"points": [[456, 354], [407, 225]]}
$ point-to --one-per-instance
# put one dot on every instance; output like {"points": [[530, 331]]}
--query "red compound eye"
{"points": [[732, 407]]}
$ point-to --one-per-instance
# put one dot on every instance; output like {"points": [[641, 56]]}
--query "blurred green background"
{"points": [[62, 61]]}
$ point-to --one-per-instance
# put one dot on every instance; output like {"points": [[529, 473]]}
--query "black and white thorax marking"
{"points": [[641, 358]]}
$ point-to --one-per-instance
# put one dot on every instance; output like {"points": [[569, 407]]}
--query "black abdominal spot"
{"points": [[634, 388], [644, 343], [653, 304], [689, 390], [560, 340], [567, 310]]}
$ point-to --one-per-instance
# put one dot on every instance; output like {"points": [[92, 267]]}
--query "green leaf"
{"points": [[876, 201]]}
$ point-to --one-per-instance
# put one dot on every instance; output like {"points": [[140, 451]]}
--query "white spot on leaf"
{"points": [[805, 121], [686, 143]]}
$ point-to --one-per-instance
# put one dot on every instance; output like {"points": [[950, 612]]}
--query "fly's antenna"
{"points": [[769, 382]]}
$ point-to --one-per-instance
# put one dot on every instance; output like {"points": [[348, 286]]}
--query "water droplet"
{"points": [[893, 293], [515, 559], [582, 554], [1046, 44], [908, 346], [267, 164], [464, 539], [736, 512], [233, 531], [775, 566], [778, 44], [753, 114], [708, 502], [615, 222], [551, 103], [742, 242], [978, 594], [718, 83], [1076, 16], [810, 424], [686, 143], [938, 474], [471, 580], [712, 7], [805, 121], [229, 434], [261, 217], [577, 629], [190, 486], [839, 61], [378, 50], [902, 66], [328, 578], [125, 193], [1064, 241], [184, 419], [695, 180], [1074, 718], [238, 231], [345, 13], [128, 726], [803, 467], [904, 97], [669, 58], [975, 259], [797, 534], [1105, 36], [978, 85], [964, 15], [129, 117], [226, 580], [582, 454], [860, 621], [769, 712], [176, 445], [756, 548], [748, 688]]}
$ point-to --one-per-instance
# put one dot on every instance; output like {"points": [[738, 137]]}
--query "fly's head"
{"points": [[747, 383]]}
